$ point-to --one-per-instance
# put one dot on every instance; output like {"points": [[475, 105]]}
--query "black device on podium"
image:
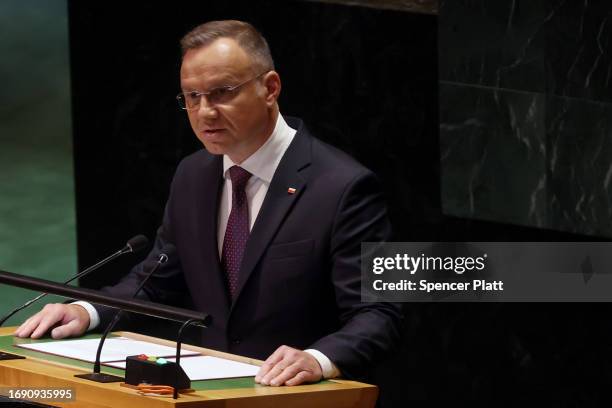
{"points": [[139, 370]]}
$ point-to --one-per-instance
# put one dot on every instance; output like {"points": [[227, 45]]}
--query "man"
{"points": [[267, 222]]}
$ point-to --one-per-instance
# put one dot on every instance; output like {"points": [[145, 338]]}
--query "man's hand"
{"points": [[289, 366], [73, 320]]}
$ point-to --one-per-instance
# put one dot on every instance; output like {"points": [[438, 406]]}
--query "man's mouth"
{"points": [[212, 132]]}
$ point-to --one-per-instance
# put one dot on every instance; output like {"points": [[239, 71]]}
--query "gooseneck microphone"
{"points": [[134, 244], [167, 251]]}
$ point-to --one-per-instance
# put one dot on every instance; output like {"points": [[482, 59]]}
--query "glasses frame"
{"points": [[182, 101]]}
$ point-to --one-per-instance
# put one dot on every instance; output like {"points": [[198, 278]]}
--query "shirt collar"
{"points": [[263, 163]]}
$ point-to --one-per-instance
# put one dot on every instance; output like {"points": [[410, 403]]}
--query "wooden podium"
{"points": [[39, 370]]}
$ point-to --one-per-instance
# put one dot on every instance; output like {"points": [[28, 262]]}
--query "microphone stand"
{"points": [[106, 378], [133, 245], [179, 340]]}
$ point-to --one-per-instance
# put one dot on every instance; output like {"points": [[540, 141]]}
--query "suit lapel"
{"points": [[209, 189], [277, 203]]}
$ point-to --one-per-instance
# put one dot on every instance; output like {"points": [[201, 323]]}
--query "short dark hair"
{"points": [[243, 33]]}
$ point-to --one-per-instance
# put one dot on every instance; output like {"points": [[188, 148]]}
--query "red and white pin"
{"points": [[291, 190]]}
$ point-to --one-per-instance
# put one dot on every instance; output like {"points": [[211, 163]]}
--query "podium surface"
{"points": [[42, 371]]}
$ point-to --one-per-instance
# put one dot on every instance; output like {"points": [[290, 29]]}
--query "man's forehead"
{"points": [[222, 58], [217, 73]]}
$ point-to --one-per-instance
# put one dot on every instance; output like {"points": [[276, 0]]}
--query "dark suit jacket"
{"points": [[299, 283]]}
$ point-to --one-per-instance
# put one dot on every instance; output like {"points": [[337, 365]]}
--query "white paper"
{"points": [[209, 368], [115, 349]]}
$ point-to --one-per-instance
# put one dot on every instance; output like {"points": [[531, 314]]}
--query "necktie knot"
{"points": [[239, 178]]}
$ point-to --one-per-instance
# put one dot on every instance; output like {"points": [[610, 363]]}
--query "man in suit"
{"points": [[267, 222]]}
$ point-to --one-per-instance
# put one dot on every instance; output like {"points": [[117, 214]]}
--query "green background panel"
{"points": [[37, 216]]}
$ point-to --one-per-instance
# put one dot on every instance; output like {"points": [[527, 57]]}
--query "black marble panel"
{"points": [[493, 154], [579, 166], [578, 49], [559, 50], [414, 6], [555, 46], [493, 43]]}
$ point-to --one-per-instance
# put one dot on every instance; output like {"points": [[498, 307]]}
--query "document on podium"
{"points": [[114, 349], [208, 367]]}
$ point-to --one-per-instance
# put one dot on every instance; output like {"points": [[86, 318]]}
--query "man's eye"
{"points": [[192, 96], [220, 94]]}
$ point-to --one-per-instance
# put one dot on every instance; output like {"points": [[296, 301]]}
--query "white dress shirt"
{"points": [[262, 165]]}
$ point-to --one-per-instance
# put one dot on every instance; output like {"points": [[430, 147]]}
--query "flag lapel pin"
{"points": [[291, 190]]}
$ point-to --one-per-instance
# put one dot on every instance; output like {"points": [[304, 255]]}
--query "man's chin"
{"points": [[214, 148]]}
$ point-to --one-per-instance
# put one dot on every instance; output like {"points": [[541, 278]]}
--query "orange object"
{"points": [[155, 390]]}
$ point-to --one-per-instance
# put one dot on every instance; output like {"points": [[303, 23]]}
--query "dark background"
{"points": [[365, 80]]}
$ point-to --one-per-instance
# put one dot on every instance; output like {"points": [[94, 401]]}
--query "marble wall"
{"points": [[525, 112], [412, 6]]}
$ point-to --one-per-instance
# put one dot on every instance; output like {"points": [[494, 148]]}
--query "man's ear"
{"points": [[272, 84]]}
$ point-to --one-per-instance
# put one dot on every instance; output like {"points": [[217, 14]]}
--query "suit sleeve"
{"points": [[166, 286], [369, 330]]}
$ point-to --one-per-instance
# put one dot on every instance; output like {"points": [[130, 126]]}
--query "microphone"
{"points": [[134, 244], [167, 251]]}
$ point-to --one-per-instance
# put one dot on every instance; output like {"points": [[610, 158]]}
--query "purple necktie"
{"points": [[237, 231]]}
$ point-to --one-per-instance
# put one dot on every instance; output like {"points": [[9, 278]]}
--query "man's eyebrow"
{"points": [[223, 80]]}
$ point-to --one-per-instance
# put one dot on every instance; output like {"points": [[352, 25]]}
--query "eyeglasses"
{"points": [[191, 100]]}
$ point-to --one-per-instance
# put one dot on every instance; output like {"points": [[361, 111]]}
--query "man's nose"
{"points": [[206, 109]]}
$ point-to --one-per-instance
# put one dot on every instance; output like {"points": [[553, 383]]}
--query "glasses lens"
{"points": [[189, 100], [192, 99], [221, 95], [180, 98]]}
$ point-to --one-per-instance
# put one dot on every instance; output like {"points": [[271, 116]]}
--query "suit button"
{"points": [[235, 342]]}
